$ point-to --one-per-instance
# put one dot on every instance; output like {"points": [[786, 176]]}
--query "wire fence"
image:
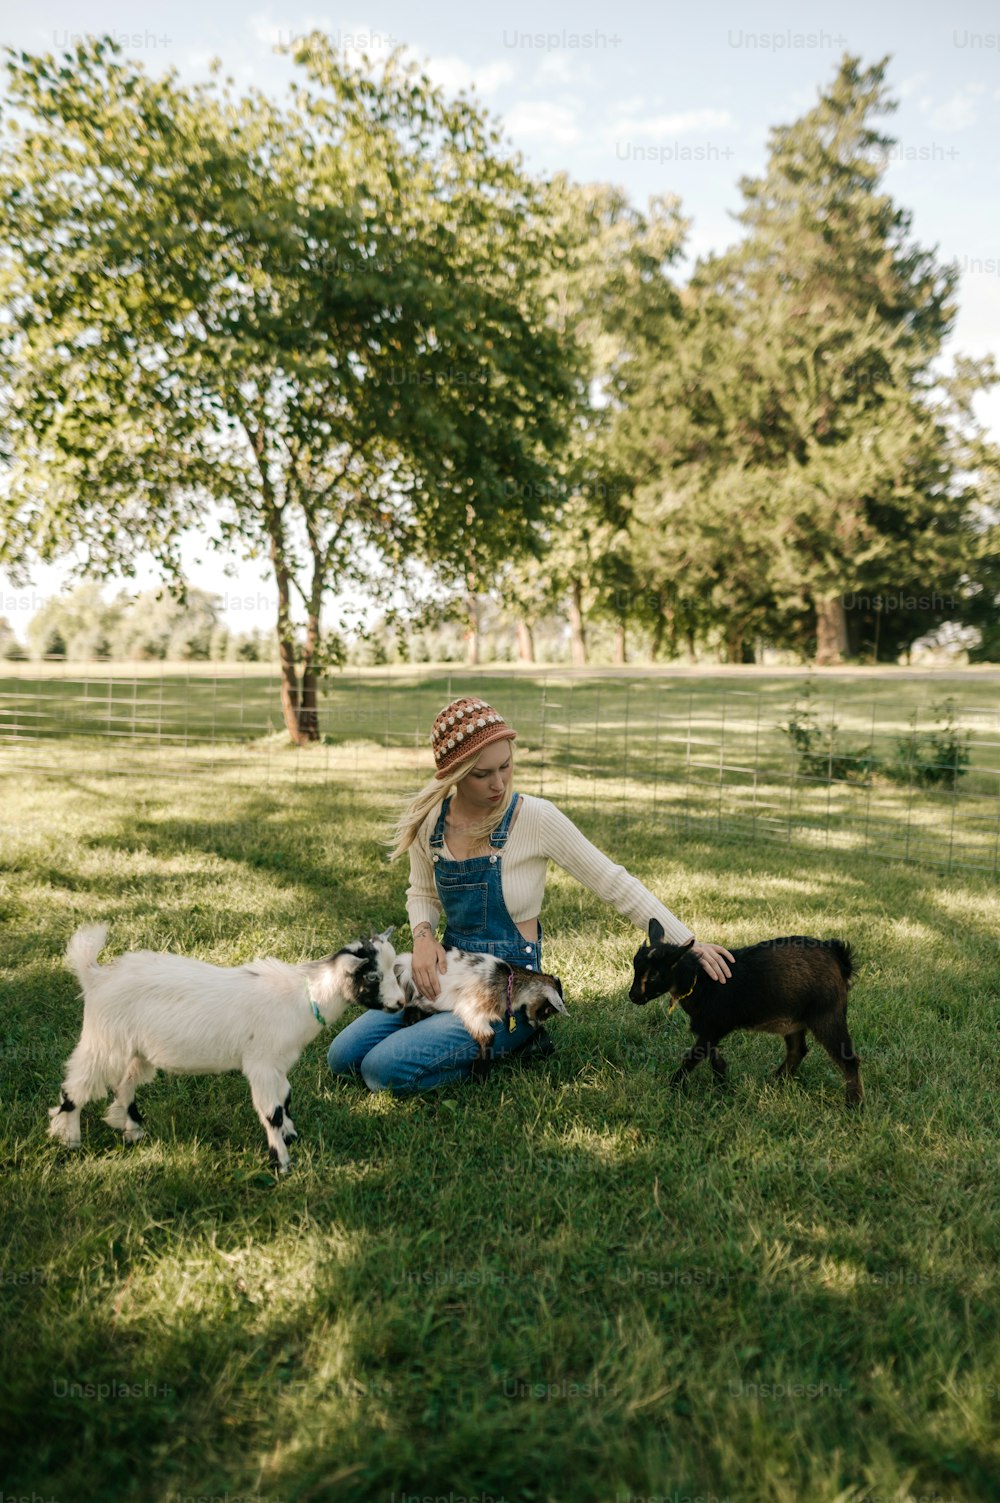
{"points": [[888, 772]]}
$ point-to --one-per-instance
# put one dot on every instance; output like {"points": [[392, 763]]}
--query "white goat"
{"points": [[481, 990], [151, 1010]]}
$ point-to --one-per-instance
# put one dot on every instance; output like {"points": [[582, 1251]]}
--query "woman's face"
{"points": [[486, 784]]}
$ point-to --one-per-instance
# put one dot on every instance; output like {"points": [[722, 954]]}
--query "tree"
{"points": [[10, 647], [78, 625], [806, 444], [611, 284], [82, 626], [156, 624], [327, 321]]}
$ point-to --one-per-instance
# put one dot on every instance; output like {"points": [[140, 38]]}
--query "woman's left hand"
{"points": [[713, 960]]}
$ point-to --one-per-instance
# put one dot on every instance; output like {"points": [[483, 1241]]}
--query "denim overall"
{"points": [[471, 895], [439, 1049]]}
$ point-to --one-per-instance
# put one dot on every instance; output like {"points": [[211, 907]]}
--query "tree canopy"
{"points": [[323, 325], [350, 333], [808, 444]]}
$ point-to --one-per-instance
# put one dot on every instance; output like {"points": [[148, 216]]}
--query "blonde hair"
{"points": [[412, 816]]}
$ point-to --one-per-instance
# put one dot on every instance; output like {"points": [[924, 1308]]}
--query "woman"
{"points": [[478, 851]]}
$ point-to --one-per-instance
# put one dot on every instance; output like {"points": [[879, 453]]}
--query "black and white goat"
{"points": [[481, 990], [788, 986], [151, 1010]]}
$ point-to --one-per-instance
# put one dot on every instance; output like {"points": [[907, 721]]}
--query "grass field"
{"points": [[565, 1283], [703, 749]]}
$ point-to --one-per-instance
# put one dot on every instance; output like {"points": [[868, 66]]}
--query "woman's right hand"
{"points": [[429, 961]]}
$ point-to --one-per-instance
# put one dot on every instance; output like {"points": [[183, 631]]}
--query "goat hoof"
{"points": [[59, 1130], [134, 1134], [289, 1135]]}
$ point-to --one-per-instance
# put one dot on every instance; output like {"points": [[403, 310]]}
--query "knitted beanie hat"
{"points": [[463, 728]]}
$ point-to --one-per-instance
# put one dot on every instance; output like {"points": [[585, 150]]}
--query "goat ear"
{"points": [[689, 944], [556, 1002], [386, 933], [655, 931]]}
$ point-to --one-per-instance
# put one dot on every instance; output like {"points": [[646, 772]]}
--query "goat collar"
{"points": [[509, 1009], [674, 1000], [312, 1003]]}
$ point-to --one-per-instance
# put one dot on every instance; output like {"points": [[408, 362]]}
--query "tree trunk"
{"points": [[525, 641], [664, 629], [620, 657], [308, 692], [472, 633], [737, 647], [309, 707], [831, 631], [290, 689], [578, 639], [308, 702], [290, 701]]}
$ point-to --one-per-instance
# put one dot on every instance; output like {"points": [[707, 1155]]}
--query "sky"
{"points": [[657, 98]]}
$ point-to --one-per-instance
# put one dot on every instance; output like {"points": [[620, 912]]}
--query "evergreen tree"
{"points": [[806, 447]]}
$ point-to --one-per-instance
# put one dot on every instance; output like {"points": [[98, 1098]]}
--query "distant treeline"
{"points": [[83, 627]]}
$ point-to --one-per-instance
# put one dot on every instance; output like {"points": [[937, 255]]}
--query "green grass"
{"points": [[704, 750], [567, 1283]]}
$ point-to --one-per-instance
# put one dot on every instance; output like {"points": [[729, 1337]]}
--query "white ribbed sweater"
{"points": [[540, 833]]}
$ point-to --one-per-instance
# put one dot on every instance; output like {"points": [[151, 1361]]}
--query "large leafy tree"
{"points": [[318, 331], [610, 290], [807, 443]]}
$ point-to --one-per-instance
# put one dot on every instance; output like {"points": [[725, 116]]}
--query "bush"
{"points": [[819, 754], [89, 645], [938, 757]]}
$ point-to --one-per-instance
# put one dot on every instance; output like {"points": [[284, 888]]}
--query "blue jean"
{"points": [[433, 1052], [440, 1049]]}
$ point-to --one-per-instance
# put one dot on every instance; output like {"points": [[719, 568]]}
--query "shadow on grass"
{"points": [[299, 842], [535, 1255], [616, 1276]]}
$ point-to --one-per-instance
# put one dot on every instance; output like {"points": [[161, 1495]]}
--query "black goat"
{"points": [[787, 986]]}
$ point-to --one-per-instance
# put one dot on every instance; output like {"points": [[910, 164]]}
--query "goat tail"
{"points": [[84, 948], [844, 956]]}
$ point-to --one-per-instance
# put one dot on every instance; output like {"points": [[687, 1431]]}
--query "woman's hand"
{"points": [[713, 960], [429, 961]]}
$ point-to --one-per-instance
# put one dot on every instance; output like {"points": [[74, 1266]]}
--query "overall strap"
{"points": [[499, 837], [437, 838]]}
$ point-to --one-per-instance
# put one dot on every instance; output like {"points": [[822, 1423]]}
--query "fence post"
{"points": [[593, 764], [656, 754], [624, 795]]}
